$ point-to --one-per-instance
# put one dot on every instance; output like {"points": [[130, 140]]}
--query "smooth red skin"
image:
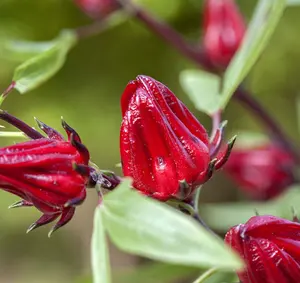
{"points": [[263, 172], [40, 171], [224, 29], [97, 8], [161, 142], [270, 247]]}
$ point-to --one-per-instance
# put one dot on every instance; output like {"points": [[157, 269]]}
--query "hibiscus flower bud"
{"points": [[262, 172], [98, 8], [163, 146], [224, 29], [269, 246], [49, 173]]}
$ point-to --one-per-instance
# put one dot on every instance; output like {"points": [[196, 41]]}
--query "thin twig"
{"points": [[7, 91], [193, 208], [249, 102], [92, 29]]}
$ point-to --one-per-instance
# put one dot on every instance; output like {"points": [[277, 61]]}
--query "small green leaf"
{"points": [[146, 227], [99, 250], [43, 66], [21, 50], [203, 89], [239, 212], [266, 17]]}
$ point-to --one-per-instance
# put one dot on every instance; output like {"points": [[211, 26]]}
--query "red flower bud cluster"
{"points": [[269, 247], [49, 173], [263, 172], [224, 29], [163, 146]]}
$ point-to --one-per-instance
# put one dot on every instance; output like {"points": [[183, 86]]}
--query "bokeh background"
{"points": [[86, 92]]}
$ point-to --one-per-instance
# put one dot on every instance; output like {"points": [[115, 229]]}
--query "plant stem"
{"points": [[6, 92], [206, 275], [92, 29], [249, 102], [26, 129], [193, 207]]}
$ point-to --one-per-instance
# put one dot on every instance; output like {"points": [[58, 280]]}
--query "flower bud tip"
{"points": [[31, 227]]}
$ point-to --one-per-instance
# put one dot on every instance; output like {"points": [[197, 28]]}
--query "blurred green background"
{"points": [[86, 92]]}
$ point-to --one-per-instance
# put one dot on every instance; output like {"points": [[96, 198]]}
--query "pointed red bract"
{"points": [[163, 146], [42, 172], [262, 172], [224, 30], [269, 247]]}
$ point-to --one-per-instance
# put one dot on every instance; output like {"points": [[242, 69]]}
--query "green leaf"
{"points": [[21, 50], [99, 251], [155, 272], [43, 66], [266, 17], [146, 227], [239, 212], [203, 89]]}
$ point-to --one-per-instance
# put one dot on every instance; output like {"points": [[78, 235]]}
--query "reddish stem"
{"points": [[26, 129], [248, 101], [92, 29], [216, 121], [8, 90]]}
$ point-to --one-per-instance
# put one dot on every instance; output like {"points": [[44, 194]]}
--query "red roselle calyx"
{"points": [[224, 29], [98, 8], [163, 146], [49, 173], [262, 172], [269, 247]]}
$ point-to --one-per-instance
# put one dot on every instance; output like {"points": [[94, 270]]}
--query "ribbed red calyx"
{"points": [[224, 29], [46, 172], [163, 146], [269, 246], [263, 172]]}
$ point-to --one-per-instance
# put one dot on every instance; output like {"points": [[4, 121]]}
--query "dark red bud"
{"points": [[263, 172], [269, 246], [163, 146], [224, 29], [47, 172]]}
